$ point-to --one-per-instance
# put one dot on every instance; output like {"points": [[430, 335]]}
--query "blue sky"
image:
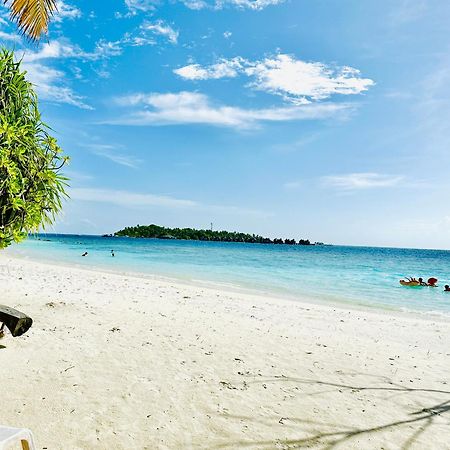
{"points": [[321, 119]]}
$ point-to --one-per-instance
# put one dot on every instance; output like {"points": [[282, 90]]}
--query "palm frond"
{"points": [[32, 16]]}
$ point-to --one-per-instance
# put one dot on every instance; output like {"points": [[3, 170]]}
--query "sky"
{"points": [[319, 119]]}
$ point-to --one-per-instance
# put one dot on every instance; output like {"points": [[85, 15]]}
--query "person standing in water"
{"points": [[112, 252]]}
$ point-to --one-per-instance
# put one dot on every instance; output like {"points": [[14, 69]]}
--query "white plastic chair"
{"points": [[10, 436]]}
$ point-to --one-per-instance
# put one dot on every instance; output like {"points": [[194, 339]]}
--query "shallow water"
{"points": [[363, 276]]}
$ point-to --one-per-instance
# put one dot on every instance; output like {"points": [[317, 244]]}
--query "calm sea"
{"points": [[363, 276]]}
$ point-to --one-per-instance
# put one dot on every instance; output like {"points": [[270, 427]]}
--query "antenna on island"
{"points": [[211, 226]]}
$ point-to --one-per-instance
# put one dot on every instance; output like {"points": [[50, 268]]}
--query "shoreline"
{"points": [[340, 303], [115, 361]]}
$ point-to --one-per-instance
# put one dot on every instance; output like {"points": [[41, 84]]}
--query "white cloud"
{"points": [[163, 29], [110, 152], [301, 81], [195, 108], [49, 85], [223, 69], [128, 199], [66, 11], [12, 37], [135, 6], [195, 4], [297, 81], [369, 180], [249, 4], [50, 82], [140, 5], [59, 49], [52, 50]]}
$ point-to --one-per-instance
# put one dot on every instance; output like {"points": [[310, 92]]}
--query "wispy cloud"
{"points": [[76, 176], [64, 49], [196, 108], [357, 181], [222, 69], [126, 198], [66, 11], [11, 37], [112, 153], [295, 80], [161, 28], [51, 83], [137, 200], [249, 4], [50, 86], [136, 6]]}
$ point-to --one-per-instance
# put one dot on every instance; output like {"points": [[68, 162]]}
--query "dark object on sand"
{"points": [[17, 322]]}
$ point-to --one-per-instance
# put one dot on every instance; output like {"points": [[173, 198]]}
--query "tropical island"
{"points": [[158, 232]]}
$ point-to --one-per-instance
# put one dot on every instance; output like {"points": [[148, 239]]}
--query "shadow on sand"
{"points": [[327, 436]]}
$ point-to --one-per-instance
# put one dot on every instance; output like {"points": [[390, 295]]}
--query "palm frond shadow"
{"points": [[332, 435]]}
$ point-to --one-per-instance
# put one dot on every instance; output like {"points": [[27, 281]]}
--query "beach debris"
{"points": [[227, 385], [17, 322], [68, 368], [114, 329]]}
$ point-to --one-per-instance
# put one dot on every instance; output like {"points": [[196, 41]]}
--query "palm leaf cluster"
{"points": [[32, 16], [31, 186]]}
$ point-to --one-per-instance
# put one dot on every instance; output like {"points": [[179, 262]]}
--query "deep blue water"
{"points": [[364, 276]]}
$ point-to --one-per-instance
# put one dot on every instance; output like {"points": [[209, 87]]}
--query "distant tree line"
{"points": [[157, 232]]}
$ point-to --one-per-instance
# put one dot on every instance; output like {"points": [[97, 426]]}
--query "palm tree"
{"points": [[32, 16], [31, 185]]}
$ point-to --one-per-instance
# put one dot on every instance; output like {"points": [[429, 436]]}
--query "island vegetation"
{"points": [[158, 232]]}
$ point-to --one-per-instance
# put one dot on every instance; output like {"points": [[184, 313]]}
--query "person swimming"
{"points": [[446, 288], [422, 283], [84, 254]]}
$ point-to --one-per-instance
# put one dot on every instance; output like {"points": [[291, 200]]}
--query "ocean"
{"points": [[340, 275]]}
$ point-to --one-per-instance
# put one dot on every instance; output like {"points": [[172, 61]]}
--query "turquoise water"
{"points": [[363, 276]]}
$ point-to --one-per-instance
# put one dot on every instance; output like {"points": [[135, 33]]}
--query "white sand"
{"points": [[117, 362]]}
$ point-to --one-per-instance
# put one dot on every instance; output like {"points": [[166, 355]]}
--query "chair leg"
{"points": [[25, 445]]}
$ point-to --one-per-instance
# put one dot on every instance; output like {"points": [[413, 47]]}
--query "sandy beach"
{"points": [[121, 362]]}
